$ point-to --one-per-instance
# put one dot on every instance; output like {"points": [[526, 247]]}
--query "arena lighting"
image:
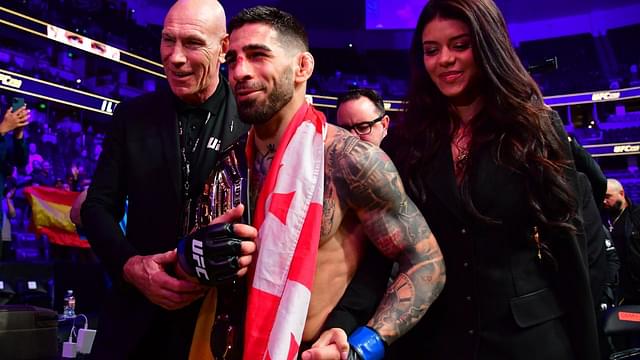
{"points": [[43, 29], [49, 91], [37, 27], [614, 149], [591, 97], [53, 92]]}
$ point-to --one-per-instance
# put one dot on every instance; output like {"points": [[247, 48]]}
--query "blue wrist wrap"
{"points": [[367, 343]]}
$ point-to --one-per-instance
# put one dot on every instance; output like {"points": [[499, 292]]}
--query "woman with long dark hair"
{"points": [[489, 166]]}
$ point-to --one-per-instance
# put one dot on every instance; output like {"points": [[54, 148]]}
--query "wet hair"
{"points": [[355, 94], [513, 119], [290, 30]]}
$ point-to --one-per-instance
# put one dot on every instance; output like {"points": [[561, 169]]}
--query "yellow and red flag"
{"points": [[50, 215]]}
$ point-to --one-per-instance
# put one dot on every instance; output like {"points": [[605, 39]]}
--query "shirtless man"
{"points": [[269, 65]]}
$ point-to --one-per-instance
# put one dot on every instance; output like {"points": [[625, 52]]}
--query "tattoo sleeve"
{"points": [[369, 183]]}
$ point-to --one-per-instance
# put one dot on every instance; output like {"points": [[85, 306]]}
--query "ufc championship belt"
{"points": [[227, 187]]}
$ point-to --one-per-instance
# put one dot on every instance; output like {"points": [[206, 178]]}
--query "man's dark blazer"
{"points": [[140, 162], [499, 301]]}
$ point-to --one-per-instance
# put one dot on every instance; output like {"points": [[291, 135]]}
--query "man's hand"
{"points": [[15, 120], [331, 345], [148, 274], [218, 252], [247, 232]]}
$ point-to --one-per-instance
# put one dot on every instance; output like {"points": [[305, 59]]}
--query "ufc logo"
{"points": [[196, 248], [213, 144]]}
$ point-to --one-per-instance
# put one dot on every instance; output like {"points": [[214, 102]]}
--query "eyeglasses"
{"points": [[364, 128]]}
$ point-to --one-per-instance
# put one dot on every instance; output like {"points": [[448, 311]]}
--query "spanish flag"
{"points": [[50, 215]]}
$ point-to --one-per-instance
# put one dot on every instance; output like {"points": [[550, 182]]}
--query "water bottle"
{"points": [[69, 310]]}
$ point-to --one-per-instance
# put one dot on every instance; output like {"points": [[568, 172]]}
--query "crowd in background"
{"points": [[64, 144], [62, 152], [578, 67]]}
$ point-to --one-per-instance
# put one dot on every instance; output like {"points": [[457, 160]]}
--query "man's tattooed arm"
{"points": [[368, 181]]}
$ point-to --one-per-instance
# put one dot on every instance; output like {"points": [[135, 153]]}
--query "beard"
{"points": [[615, 208], [255, 112]]}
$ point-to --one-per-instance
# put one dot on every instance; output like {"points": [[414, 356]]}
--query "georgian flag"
{"points": [[288, 217]]}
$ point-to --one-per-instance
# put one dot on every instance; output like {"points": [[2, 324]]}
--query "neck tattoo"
{"points": [[261, 166], [263, 161]]}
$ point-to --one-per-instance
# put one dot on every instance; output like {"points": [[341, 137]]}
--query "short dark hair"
{"points": [[355, 94], [287, 26]]}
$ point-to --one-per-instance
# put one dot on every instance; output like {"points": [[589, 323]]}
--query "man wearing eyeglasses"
{"points": [[361, 111]]}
